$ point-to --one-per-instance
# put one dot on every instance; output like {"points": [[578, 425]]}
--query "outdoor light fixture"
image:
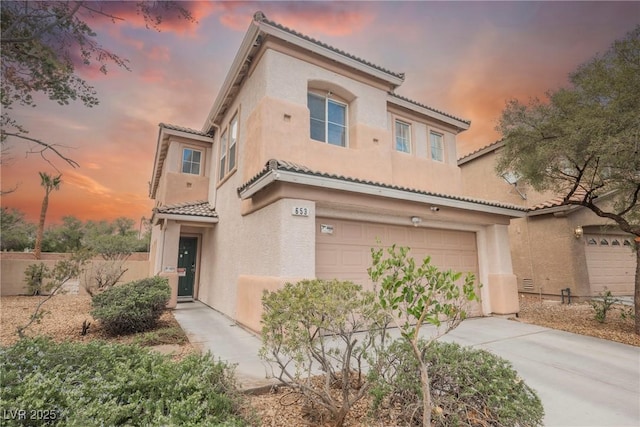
{"points": [[416, 220], [578, 232]]}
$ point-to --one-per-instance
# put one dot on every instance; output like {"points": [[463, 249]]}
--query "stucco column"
{"points": [[502, 283], [169, 258]]}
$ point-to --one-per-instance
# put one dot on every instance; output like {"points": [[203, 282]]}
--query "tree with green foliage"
{"points": [[49, 183], [66, 237], [417, 295], [44, 43], [325, 328], [16, 234], [583, 142]]}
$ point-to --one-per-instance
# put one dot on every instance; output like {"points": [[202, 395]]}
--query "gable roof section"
{"points": [[164, 131], [261, 26], [284, 171], [200, 211]]}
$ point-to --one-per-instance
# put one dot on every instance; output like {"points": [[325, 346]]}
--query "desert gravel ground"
{"points": [[66, 313]]}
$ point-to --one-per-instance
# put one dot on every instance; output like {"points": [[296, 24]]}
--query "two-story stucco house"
{"points": [[556, 246], [306, 160]]}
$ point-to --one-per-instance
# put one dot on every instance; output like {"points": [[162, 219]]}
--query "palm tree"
{"points": [[49, 183]]}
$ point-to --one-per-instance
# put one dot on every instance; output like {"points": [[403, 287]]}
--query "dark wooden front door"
{"points": [[187, 266]]}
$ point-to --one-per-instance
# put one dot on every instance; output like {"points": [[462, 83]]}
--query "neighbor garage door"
{"points": [[343, 248], [611, 263]]}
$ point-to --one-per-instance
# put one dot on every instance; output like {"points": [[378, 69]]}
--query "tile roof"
{"points": [[429, 108], [482, 150], [559, 201], [198, 208], [183, 129], [287, 166], [260, 17]]}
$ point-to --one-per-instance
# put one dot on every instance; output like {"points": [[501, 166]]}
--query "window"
{"points": [[223, 154], [615, 242], [233, 139], [328, 120], [191, 161], [627, 242], [592, 242], [403, 136], [604, 242], [228, 148], [437, 146]]}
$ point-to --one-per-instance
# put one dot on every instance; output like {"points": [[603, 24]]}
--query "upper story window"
{"points": [[191, 160], [223, 155], [228, 149], [233, 139], [328, 119], [403, 136], [437, 146]]}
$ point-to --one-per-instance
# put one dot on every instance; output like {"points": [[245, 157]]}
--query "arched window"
{"points": [[615, 242], [604, 242]]}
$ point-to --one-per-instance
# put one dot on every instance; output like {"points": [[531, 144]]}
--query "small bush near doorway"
{"points": [[132, 307]]}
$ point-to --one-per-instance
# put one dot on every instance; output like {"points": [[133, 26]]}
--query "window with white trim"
{"points": [[223, 155], [403, 136], [328, 119], [191, 161], [228, 148], [233, 139], [437, 146]]}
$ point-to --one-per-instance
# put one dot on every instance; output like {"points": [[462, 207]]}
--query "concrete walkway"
{"points": [[582, 381]]}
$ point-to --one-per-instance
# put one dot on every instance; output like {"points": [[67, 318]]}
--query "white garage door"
{"points": [[611, 263], [343, 249]]}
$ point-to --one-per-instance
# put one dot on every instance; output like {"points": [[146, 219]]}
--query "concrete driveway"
{"points": [[582, 381]]}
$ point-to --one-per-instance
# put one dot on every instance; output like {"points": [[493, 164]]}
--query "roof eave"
{"points": [[370, 189], [393, 80], [481, 152], [188, 218], [248, 43], [459, 124]]}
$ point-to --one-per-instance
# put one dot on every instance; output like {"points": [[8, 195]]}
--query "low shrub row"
{"points": [[75, 384]]}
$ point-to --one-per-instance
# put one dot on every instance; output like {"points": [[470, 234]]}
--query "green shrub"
{"points": [[113, 384], [311, 328], [469, 387], [602, 305], [132, 307], [34, 277]]}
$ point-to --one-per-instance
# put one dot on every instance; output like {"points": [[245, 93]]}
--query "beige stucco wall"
{"points": [[479, 179], [543, 247], [278, 127], [176, 187], [14, 265]]}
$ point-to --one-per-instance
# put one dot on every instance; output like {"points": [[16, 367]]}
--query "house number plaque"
{"points": [[300, 211]]}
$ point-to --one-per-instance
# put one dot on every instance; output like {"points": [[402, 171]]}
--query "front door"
{"points": [[187, 266]]}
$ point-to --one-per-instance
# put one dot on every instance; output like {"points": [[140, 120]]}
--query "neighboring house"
{"points": [[556, 246], [306, 160]]}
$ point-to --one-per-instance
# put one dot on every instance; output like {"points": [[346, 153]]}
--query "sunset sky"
{"points": [[466, 58]]}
